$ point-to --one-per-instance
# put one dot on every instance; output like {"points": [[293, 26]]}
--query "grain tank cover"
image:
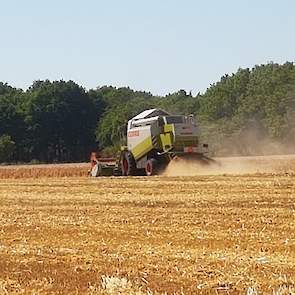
{"points": [[150, 113]]}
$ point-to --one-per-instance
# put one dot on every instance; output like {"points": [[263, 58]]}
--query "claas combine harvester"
{"points": [[152, 139]]}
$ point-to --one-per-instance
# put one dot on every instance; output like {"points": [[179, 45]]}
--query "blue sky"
{"points": [[159, 46]]}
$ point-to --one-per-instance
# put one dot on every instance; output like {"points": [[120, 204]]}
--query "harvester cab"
{"points": [[154, 138]]}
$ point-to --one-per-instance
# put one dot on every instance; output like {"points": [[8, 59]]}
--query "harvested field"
{"points": [[44, 170], [280, 164], [228, 165], [206, 234]]}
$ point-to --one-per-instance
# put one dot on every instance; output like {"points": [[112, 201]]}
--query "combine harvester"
{"points": [[154, 138]]}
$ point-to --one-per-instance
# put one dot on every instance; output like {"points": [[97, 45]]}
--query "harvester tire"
{"points": [[151, 167], [128, 164]]}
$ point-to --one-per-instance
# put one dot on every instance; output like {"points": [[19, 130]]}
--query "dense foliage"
{"points": [[61, 121]]}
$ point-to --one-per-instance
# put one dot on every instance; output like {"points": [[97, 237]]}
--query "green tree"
{"points": [[7, 148], [180, 103], [120, 105], [62, 119], [12, 117]]}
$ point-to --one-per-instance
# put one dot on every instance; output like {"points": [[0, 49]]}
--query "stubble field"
{"points": [[204, 234]]}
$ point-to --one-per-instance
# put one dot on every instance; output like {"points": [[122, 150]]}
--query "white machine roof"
{"points": [[150, 113]]}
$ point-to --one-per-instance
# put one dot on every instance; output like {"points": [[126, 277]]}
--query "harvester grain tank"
{"points": [[153, 139]]}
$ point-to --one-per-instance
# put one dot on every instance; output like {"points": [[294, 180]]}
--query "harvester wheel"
{"points": [[128, 165], [151, 167]]}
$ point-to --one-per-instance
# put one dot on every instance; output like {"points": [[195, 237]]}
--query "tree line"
{"points": [[60, 121]]}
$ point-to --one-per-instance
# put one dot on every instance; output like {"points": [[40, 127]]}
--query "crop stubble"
{"points": [[202, 234]]}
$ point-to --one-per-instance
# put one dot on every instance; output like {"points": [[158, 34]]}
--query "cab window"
{"points": [[174, 120]]}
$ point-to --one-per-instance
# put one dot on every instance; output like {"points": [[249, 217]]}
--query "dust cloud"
{"points": [[263, 147], [253, 141], [232, 165], [248, 151]]}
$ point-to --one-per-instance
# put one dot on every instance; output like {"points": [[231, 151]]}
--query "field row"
{"points": [[182, 235]]}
